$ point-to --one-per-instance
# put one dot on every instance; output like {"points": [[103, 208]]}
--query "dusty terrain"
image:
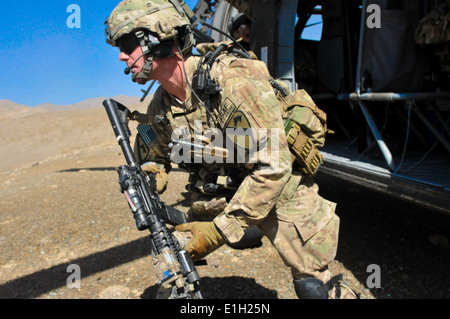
{"points": [[60, 205]]}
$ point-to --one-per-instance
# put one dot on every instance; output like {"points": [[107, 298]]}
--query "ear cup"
{"points": [[159, 49], [162, 49]]}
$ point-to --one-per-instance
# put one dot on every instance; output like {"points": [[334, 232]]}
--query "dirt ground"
{"points": [[60, 205]]}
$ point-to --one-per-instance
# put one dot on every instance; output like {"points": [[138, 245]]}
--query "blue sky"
{"points": [[45, 61]]}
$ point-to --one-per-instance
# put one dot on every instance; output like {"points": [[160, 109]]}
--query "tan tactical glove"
{"points": [[210, 208], [160, 175], [205, 238]]}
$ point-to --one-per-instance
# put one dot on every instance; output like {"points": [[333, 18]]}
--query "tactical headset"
{"points": [[150, 45]]}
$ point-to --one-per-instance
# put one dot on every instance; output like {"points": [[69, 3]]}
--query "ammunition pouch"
{"points": [[304, 152]]}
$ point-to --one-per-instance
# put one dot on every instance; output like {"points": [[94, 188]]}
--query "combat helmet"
{"points": [[155, 23]]}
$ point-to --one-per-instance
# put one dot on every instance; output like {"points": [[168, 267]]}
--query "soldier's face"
{"points": [[243, 32], [130, 58]]}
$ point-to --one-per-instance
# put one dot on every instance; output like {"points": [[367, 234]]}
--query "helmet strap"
{"points": [[148, 65], [146, 70], [140, 35]]}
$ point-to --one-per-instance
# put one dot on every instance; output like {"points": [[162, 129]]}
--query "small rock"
{"points": [[115, 292]]}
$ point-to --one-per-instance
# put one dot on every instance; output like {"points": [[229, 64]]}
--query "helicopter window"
{"points": [[313, 28]]}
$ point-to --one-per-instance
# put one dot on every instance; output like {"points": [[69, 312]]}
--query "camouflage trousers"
{"points": [[304, 230]]}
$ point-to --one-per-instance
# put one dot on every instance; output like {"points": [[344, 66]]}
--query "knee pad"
{"points": [[310, 288]]}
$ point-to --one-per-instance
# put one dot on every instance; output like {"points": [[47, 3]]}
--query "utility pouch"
{"points": [[303, 151], [305, 127]]}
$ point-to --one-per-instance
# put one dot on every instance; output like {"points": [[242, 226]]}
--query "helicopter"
{"points": [[374, 68]]}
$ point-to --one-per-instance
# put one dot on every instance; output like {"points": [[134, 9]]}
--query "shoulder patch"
{"points": [[226, 110], [239, 130], [238, 120]]}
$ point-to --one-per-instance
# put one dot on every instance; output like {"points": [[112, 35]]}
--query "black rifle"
{"points": [[173, 266]]}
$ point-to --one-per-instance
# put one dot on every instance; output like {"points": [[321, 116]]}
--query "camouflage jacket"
{"points": [[246, 100]]}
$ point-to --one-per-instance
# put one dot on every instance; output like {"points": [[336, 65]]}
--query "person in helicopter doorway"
{"points": [[240, 28]]}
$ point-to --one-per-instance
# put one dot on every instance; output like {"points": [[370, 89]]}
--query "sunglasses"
{"points": [[128, 43]]}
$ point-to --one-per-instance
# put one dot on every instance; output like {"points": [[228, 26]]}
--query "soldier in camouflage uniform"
{"points": [[433, 30], [156, 42]]}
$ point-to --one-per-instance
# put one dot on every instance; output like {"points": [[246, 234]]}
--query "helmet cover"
{"points": [[157, 16]]}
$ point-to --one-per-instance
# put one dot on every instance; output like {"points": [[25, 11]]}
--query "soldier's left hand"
{"points": [[137, 116], [205, 238], [162, 179]]}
